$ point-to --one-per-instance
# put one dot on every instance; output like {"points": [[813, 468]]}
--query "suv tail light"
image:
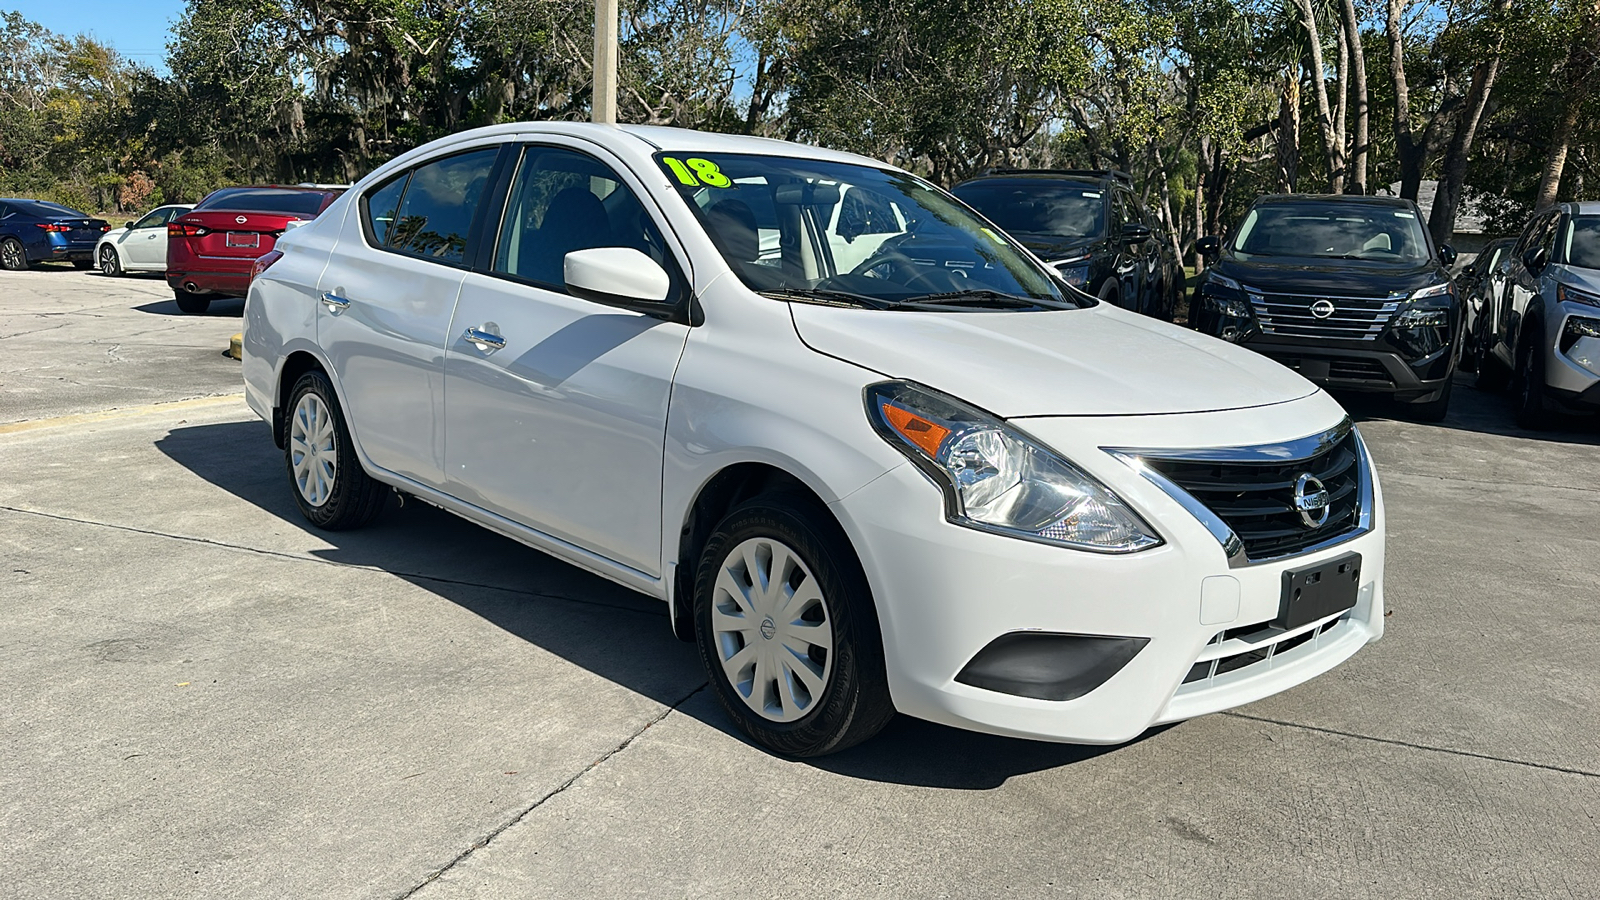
{"points": [[264, 262], [176, 230], [53, 226]]}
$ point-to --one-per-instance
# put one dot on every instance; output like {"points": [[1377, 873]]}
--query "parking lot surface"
{"points": [[204, 697]]}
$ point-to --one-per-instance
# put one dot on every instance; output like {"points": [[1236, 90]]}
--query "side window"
{"points": [[378, 208], [439, 200], [562, 201], [864, 211], [1119, 213], [153, 220]]}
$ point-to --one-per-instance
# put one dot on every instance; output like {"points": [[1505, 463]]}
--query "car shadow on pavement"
{"points": [[227, 307], [615, 633], [1477, 411]]}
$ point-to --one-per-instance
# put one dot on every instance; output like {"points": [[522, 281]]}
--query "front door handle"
{"points": [[335, 303], [485, 341]]}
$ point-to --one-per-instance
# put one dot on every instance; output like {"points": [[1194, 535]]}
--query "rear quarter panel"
{"points": [[280, 311]]}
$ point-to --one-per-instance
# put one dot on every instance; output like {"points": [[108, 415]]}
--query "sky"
{"points": [[138, 29]]}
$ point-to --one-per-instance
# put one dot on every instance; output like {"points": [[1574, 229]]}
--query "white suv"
{"points": [[933, 479]]}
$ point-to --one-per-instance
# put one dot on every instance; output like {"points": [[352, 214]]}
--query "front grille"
{"points": [[1358, 370], [1223, 653], [1351, 318], [1256, 498]]}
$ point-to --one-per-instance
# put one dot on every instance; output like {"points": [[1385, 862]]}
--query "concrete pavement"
{"points": [[203, 697]]}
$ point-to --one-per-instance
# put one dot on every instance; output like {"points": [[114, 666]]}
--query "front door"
{"points": [[555, 407], [145, 244], [386, 297]]}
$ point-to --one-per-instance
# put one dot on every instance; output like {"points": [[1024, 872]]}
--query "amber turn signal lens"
{"points": [[926, 435]]}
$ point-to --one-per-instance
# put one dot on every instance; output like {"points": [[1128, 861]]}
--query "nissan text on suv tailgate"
{"points": [[211, 248]]}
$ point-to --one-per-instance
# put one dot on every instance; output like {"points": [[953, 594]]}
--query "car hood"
{"points": [[1580, 278], [1099, 361], [113, 233], [1051, 247], [1339, 277]]}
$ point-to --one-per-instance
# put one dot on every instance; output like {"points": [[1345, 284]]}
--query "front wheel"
{"points": [[110, 264], [1533, 409], [787, 629], [1433, 410], [331, 488], [12, 257]]}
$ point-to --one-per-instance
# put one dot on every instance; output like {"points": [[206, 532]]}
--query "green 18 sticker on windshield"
{"points": [[697, 171]]}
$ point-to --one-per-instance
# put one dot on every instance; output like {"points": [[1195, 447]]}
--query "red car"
{"points": [[210, 248]]}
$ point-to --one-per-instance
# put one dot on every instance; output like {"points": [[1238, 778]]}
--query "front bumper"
{"points": [[1345, 368], [1572, 375], [945, 592]]}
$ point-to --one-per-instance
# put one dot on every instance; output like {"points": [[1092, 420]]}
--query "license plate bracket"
{"points": [[243, 239], [1315, 592]]}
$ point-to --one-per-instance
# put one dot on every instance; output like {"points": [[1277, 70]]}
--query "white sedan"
{"points": [[882, 462], [138, 246]]}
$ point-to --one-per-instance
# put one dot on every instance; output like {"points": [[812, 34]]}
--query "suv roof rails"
{"points": [[1113, 174]]}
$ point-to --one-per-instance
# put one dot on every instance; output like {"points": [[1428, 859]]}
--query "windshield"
{"points": [[1332, 230], [1581, 244], [299, 203], [1037, 207], [851, 234]]}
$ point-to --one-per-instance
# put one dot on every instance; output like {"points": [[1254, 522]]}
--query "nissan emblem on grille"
{"points": [[241, 220], [1311, 499], [1322, 309]]}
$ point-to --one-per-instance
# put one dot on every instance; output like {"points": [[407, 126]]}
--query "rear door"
{"points": [[559, 420], [386, 299]]}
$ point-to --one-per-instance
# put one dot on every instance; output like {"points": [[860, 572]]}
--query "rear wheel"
{"points": [[787, 629], [190, 302], [330, 487], [110, 263], [1492, 373], [12, 257]]}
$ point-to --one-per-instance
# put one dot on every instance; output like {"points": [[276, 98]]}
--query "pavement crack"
{"points": [[504, 826], [279, 554], [1415, 746]]}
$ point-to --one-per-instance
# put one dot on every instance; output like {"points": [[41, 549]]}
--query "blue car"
{"points": [[32, 231]]}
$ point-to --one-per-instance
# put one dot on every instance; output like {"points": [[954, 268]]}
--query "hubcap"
{"points": [[313, 458], [773, 634], [13, 254], [108, 261]]}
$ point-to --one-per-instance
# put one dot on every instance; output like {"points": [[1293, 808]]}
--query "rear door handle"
{"points": [[335, 303], [485, 341]]}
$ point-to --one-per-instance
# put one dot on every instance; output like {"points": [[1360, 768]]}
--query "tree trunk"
{"points": [[1577, 73], [1202, 173], [1332, 143], [1442, 218], [1357, 183], [1408, 153], [1289, 134]]}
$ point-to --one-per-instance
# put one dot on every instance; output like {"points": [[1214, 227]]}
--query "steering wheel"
{"points": [[899, 263]]}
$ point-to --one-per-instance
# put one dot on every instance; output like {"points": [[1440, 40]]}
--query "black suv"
{"points": [[1090, 227], [1348, 291]]}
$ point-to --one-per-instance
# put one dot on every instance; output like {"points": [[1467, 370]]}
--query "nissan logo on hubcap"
{"points": [[1311, 501], [768, 628], [1322, 309]]}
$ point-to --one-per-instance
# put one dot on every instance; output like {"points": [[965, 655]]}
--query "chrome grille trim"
{"points": [[1288, 314], [1286, 452]]}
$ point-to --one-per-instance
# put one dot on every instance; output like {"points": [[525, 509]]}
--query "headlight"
{"points": [[1225, 295], [1437, 290], [997, 479], [1222, 281], [1423, 317], [1566, 294], [1075, 271]]}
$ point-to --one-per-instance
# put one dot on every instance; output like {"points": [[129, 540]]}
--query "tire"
{"points": [[110, 262], [13, 258], [1433, 410], [83, 264], [1492, 374], [837, 695], [190, 302], [1528, 393], [1109, 293], [332, 490]]}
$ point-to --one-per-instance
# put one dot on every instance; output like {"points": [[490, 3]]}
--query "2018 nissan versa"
{"points": [[930, 479]]}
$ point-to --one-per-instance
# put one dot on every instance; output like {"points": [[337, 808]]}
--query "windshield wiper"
{"points": [[826, 296], [980, 297]]}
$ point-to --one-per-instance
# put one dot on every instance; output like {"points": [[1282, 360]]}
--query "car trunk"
{"points": [[231, 239]]}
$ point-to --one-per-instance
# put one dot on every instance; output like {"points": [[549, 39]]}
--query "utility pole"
{"points": [[603, 107]]}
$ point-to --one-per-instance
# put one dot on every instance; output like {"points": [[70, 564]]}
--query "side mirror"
{"points": [[127, 226], [1210, 247], [1535, 259], [618, 276], [1447, 255], [1135, 233]]}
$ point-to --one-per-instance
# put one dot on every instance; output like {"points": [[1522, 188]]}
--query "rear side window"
{"points": [[379, 206], [437, 205], [267, 200]]}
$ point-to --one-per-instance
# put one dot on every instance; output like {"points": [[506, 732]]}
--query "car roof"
{"points": [[1583, 208], [1365, 200]]}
